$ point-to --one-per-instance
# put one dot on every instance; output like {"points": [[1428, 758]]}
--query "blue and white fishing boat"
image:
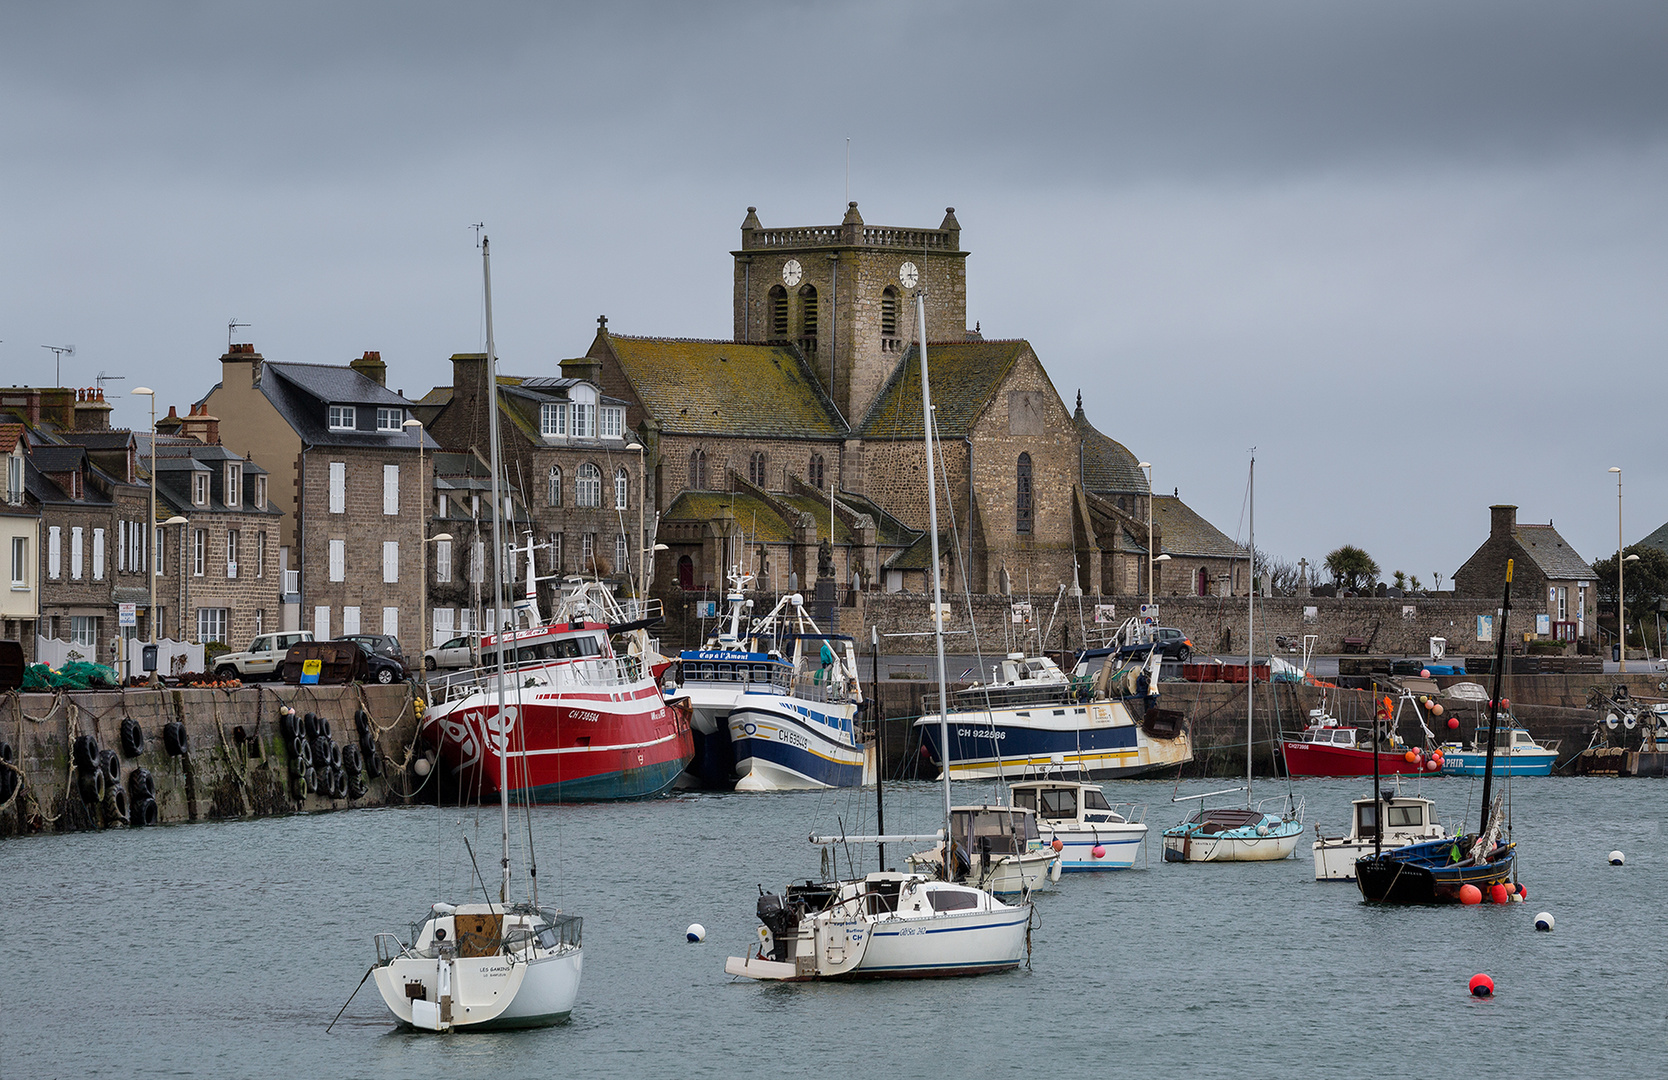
{"points": [[1091, 832], [1520, 756]]}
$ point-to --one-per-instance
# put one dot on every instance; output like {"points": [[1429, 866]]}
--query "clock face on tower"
{"points": [[908, 275], [792, 272]]}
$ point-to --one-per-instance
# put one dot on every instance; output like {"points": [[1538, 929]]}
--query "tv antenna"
{"points": [[478, 226], [58, 354], [231, 327], [101, 378]]}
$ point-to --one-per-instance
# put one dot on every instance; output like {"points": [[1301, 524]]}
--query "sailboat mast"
{"points": [[1494, 700], [497, 574], [1251, 623], [937, 586]]}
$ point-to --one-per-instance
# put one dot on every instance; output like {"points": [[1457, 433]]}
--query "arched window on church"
{"points": [[698, 470], [778, 312], [815, 470], [1022, 496], [622, 489], [554, 486], [808, 310], [588, 486], [756, 468], [888, 318]]}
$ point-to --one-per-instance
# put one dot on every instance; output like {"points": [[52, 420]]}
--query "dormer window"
{"points": [[584, 426], [613, 422], [342, 418], [199, 489], [389, 419], [14, 479], [234, 485], [260, 492], [553, 420]]}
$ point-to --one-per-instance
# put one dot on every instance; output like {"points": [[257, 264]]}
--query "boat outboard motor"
{"points": [[780, 920]]}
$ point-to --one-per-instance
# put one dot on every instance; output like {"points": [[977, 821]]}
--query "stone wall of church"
{"points": [[895, 477], [782, 456]]}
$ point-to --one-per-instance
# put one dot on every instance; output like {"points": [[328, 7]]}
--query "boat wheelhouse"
{"points": [[1516, 753], [1408, 819], [995, 848], [1092, 833]]}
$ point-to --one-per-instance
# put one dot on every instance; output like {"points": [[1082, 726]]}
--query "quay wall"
{"points": [[238, 764], [1549, 706]]}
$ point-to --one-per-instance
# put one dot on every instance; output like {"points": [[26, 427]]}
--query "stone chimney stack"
{"points": [[201, 426], [371, 366], [1502, 521], [92, 413], [242, 364]]}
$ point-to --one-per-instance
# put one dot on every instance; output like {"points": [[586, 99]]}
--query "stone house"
{"points": [[344, 480], [1552, 587], [20, 540], [219, 572]]}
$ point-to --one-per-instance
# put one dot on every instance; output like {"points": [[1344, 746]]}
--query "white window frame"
{"points": [[338, 560], [343, 418], [587, 486], [159, 549], [199, 489], [613, 422], [213, 624], [622, 559], [260, 491], [54, 552], [391, 621], [14, 479], [232, 485], [76, 553], [123, 529], [390, 490], [350, 620], [338, 487], [442, 561], [389, 420], [199, 552], [98, 554], [553, 486], [260, 554], [232, 539], [390, 562], [622, 489], [583, 425], [20, 562], [84, 631], [553, 419]]}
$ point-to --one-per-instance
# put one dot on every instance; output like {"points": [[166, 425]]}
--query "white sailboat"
{"points": [[1254, 832], [485, 965], [886, 924]]}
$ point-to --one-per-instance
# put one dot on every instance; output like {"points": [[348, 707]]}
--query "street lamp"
{"points": [[423, 545], [1621, 616], [150, 526]]}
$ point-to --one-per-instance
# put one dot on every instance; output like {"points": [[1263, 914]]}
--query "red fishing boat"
{"points": [[1328, 748], [582, 720]]}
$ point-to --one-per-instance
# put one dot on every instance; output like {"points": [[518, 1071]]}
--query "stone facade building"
{"points": [[20, 543], [1552, 587], [345, 481]]}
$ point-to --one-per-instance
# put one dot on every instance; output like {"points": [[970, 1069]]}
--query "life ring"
{"points": [[133, 737]]}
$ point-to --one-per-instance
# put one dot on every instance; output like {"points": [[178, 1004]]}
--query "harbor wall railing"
{"points": [[236, 763]]}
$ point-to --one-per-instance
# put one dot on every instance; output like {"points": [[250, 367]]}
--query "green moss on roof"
{"points": [[965, 376], [1184, 532], [1108, 466], [726, 388], [756, 519]]}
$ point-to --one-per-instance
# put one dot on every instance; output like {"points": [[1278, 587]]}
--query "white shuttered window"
{"points": [[338, 487], [390, 489]]}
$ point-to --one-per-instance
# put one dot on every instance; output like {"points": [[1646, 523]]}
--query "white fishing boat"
{"points": [[995, 848], [1253, 833], [886, 924], [1092, 834], [484, 965], [1408, 819]]}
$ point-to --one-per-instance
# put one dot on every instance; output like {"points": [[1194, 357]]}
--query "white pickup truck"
{"points": [[263, 659]]}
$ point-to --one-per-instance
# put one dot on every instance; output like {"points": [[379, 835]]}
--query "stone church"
{"points": [[806, 429]]}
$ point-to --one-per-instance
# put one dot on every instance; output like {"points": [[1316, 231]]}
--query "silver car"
{"points": [[459, 652]]}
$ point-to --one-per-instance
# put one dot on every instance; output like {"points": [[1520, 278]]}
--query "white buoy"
{"points": [[1616, 858], [1543, 921], [696, 932]]}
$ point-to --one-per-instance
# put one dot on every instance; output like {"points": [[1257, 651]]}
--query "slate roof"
{"points": [[1108, 468], [918, 555], [965, 376], [303, 393], [58, 459], [1658, 539], [1184, 532], [1555, 558], [694, 387], [100, 440]]}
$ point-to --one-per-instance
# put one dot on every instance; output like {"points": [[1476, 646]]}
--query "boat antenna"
{"points": [[1494, 699], [497, 571], [937, 585], [1378, 799], [880, 740], [1251, 616]]}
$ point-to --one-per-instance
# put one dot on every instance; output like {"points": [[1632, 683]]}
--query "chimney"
{"points": [[92, 412], [201, 426], [371, 366], [170, 424], [588, 368], [1502, 520], [469, 382], [240, 354]]}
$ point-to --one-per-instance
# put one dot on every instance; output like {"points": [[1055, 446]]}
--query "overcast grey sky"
{"points": [[1415, 253]]}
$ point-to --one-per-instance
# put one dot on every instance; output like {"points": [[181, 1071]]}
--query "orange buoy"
{"points": [[1498, 894], [1470, 894], [1056, 845], [1410, 757], [1481, 986]]}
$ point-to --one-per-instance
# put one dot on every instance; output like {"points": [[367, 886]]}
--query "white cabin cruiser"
{"points": [[998, 848], [1408, 819], [1090, 833]]}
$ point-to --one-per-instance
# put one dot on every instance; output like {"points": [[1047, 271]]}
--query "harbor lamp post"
{"points": [[1621, 613], [150, 526]]}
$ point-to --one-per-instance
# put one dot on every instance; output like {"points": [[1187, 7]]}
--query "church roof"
{"points": [[758, 520], [965, 376], [1108, 467], [1184, 532], [694, 387]]}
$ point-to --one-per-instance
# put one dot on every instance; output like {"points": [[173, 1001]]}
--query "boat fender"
{"points": [[140, 785], [144, 812], [133, 737], [175, 739], [1544, 922], [695, 934], [118, 805], [1056, 844], [373, 763], [1098, 852], [312, 777], [1470, 894], [111, 763], [1498, 894], [286, 725], [84, 752], [335, 756], [91, 786], [310, 725], [1481, 986], [361, 721], [1616, 858]]}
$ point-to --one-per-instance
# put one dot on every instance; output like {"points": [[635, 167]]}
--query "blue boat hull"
{"points": [[986, 745], [777, 749], [1426, 874], [643, 782], [1469, 764]]}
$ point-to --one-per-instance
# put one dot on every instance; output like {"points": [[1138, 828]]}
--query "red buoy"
{"points": [[1470, 894], [1481, 985], [1099, 852], [1453, 723], [1057, 845], [1522, 891], [1499, 894]]}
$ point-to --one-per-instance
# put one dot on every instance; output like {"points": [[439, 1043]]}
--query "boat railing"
{"points": [[1290, 806], [1132, 813], [981, 698], [588, 671], [828, 693], [388, 946]]}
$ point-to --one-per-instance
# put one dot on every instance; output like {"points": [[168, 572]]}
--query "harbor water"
{"points": [[224, 949]]}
